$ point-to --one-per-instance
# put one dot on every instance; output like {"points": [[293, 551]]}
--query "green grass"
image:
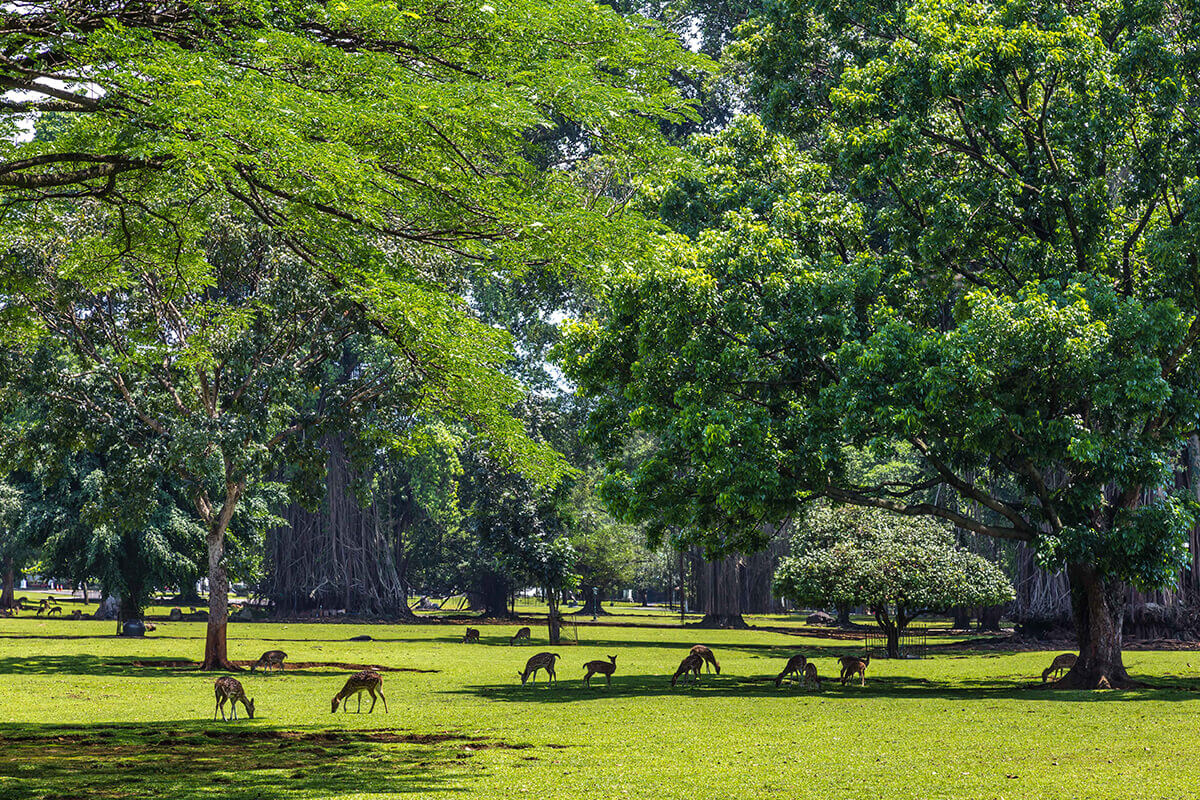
{"points": [[79, 718]]}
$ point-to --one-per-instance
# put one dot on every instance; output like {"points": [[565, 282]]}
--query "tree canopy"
{"points": [[991, 257], [900, 568]]}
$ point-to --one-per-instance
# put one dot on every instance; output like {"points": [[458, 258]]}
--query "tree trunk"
{"points": [[962, 618], [592, 604], [493, 594], [989, 618], [216, 655], [720, 595], [1098, 608], [8, 598], [553, 620]]}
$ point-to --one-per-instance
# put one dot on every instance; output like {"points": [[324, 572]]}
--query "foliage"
{"points": [[991, 257], [899, 568]]}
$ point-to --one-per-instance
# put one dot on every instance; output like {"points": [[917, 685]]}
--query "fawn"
{"points": [[810, 675], [691, 663], [521, 634], [540, 661], [853, 665], [1060, 664], [366, 681], [268, 659], [605, 668], [472, 635], [230, 689], [708, 657], [795, 667]]}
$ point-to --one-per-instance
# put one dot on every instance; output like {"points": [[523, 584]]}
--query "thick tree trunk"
{"points": [[553, 618], [592, 604], [1098, 608], [962, 618], [720, 596], [843, 617], [493, 594], [8, 598]]}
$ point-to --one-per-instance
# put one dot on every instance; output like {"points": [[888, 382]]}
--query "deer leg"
{"points": [[609, 679], [371, 710], [384, 699], [359, 702]]}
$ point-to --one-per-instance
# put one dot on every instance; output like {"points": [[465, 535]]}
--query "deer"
{"points": [[231, 689], [810, 675], [540, 661], [522, 634], [1060, 664], [472, 635], [366, 681], [708, 657], [54, 610], [271, 658], [691, 663], [795, 667], [44, 606], [77, 614], [853, 665], [605, 668]]}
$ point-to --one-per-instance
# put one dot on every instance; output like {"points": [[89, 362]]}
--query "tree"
{"points": [[15, 547], [994, 261], [900, 568], [382, 152]]}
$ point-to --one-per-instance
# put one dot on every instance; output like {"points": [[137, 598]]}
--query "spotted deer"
{"points": [[472, 635], [540, 661], [366, 681], [853, 665], [271, 658], [605, 668], [708, 657], [795, 668], [44, 606], [1061, 664], [231, 689], [810, 675], [54, 610], [691, 663], [521, 635]]}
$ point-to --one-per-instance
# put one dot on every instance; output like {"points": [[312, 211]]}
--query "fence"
{"points": [[913, 642]]}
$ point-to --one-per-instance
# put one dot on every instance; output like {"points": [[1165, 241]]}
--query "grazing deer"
{"points": [[44, 606], [1060, 664], [810, 675], [366, 681], [605, 668], [691, 663], [853, 665], [230, 689], [472, 635], [540, 661], [522, 634], [271, 658], [795, 668], [77, 614], [54, 610], [707, 655]]}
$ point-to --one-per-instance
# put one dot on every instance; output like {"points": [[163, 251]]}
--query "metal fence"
{"points": [[913, 642]]}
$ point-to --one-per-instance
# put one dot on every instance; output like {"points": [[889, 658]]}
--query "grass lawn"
{"points": [[84, 714]]}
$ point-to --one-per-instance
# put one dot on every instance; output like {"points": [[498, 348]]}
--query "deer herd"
{"points": [[699, 658]]}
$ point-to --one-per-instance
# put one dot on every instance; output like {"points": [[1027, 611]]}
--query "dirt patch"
{"points": [[288, 665]]}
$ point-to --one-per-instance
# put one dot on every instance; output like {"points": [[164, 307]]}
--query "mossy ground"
{"points": [[79, 717]]}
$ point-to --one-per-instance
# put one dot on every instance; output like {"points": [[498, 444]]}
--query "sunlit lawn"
{"points": [[78, 718]]}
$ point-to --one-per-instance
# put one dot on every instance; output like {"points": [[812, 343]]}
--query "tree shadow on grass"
{"points": [[132, 666], [189, 760], [1014, 687]]}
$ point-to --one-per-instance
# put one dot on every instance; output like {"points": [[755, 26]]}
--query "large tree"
{"points": [[899, 567], [993, 259], [379, 151]]}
